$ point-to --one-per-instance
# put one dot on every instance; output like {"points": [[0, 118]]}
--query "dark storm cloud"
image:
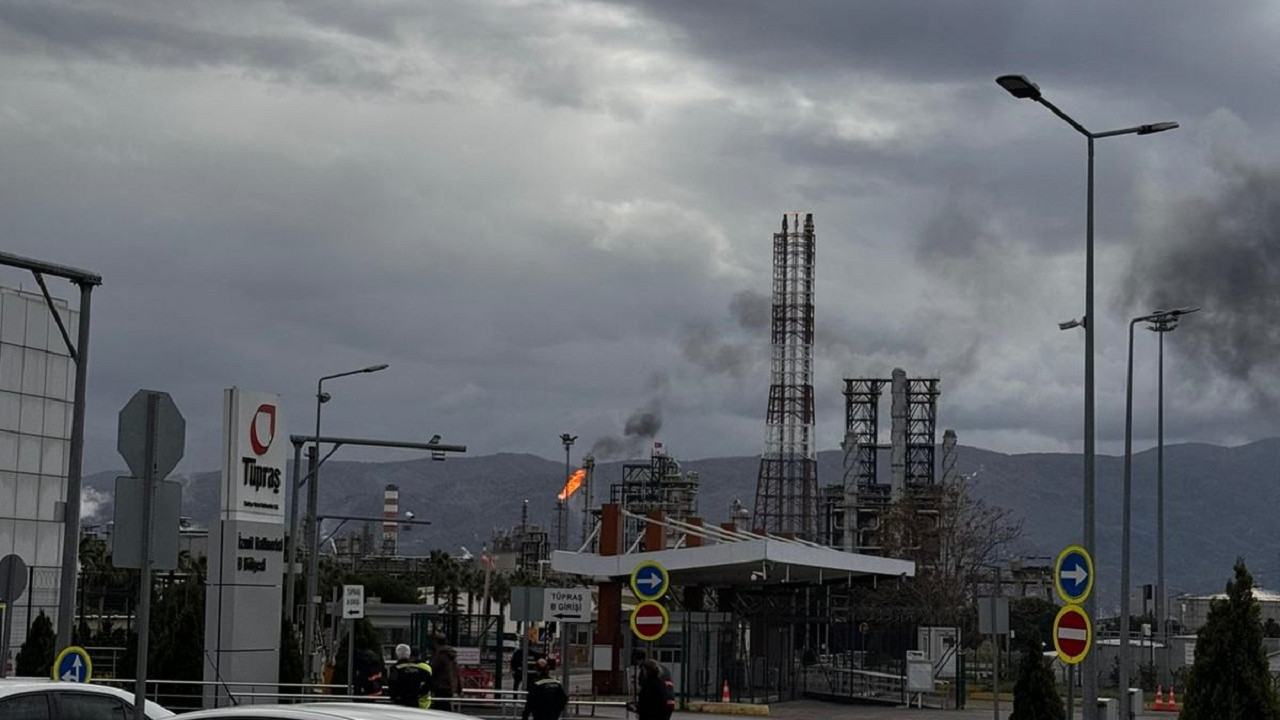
{"points": [[734, 353], [753, 310], [955, 230], [537, 203], [1221, 251], [703, 346], [163, 34], [1177, 49]]}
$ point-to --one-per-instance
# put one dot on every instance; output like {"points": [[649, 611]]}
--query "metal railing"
{"points": [[489, 703]]}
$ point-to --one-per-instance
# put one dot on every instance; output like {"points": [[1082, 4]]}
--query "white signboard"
{"points": [[919, 672], [255, 447], [468, 655], [352, 602], [566, 605]]}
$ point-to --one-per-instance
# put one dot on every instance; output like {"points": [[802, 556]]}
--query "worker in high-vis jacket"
{"points": [[410, 684]]}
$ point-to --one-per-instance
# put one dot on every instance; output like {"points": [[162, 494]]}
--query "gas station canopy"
{"points": [[754, 562]]}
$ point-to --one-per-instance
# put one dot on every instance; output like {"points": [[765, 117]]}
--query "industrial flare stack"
{"points": [[787, 485]]}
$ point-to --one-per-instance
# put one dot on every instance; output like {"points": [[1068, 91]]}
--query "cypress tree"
{"points": [[35, 659], [1035, 693], [1230, 679], [291, 666]]}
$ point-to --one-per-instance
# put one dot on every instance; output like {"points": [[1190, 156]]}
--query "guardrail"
{"points": [[489, 703]]}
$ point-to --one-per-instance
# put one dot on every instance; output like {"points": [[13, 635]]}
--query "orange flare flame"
{"points": [[571, 487]]}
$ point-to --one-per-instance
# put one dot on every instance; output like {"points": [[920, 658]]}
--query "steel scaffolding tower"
{"points": [[914, 414], [922, 416], [862, 425], [787, 486]]}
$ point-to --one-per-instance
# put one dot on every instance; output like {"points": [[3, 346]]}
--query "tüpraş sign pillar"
{"points": [[246, 548]]}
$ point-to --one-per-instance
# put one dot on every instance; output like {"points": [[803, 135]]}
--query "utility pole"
{"points": [[562, 528], [567, 439]]}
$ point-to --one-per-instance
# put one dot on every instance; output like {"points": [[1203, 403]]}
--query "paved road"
{"points": [[810, 710]]}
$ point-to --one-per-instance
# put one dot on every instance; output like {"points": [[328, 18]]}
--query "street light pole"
{"points": [[995, 646], [313, 566], [1020, 87], [1159, 317], [1161, 326]]}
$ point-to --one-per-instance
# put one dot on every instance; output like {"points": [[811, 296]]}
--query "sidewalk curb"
{"points": [[722, 708]]}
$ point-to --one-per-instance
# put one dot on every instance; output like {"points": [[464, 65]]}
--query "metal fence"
{"points": [[487, 703]]}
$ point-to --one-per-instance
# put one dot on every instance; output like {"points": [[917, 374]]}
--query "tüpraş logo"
{"points": [[260, 437]]}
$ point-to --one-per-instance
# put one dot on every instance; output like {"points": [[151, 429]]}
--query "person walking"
{"points": [[446, 681], [655, 696], [517, 667], [546, 698], [518, 664], [410, 684]]}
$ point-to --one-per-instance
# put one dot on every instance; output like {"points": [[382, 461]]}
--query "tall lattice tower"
{"points": [[787, 487]]}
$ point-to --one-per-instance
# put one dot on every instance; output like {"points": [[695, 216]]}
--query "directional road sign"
{"points": [[1073, 574], [649, 621], [649, 580], [352, 602], [567, 604], [170, 433], [73, 665], [1072, 634]]}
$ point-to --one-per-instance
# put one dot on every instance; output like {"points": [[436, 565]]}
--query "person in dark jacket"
{"points": [[517, 661], [546, 698], [655, 697], [446, 681], [367, 677], [410, 684]]}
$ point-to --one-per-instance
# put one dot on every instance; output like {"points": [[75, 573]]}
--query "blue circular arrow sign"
{"points": [[1073, 574], [649, 580], [73, 665]]}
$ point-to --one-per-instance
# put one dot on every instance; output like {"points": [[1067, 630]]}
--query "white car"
{"points": [[36, 699], [322, 711]]}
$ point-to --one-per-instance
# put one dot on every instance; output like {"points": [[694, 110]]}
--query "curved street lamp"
{"points": [[313, 526], [1020, 87], [1159, 319]]}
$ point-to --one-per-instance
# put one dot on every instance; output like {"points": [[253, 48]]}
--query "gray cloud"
{"points": [[523, 208], [1221, 251], [753, 310], [732, 352]]}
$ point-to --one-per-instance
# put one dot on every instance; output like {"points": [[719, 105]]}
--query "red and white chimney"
{"points": [[390, 519]]}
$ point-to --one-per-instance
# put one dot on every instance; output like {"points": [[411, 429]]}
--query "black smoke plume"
{"points": [[1222, 252], [640, 428]]}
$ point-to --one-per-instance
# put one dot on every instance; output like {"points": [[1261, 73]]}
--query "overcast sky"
{"points": [[557, 216]]}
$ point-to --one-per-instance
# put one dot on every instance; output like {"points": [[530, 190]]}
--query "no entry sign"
{"points": [[649, 621], [1072, 634]]}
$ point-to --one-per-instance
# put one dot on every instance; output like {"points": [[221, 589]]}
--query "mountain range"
{"points": [[1220, 502]]}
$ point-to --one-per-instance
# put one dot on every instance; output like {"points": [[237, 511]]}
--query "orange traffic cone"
{"points": [[1173, 704], [1159, 704], [724, 692]]}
